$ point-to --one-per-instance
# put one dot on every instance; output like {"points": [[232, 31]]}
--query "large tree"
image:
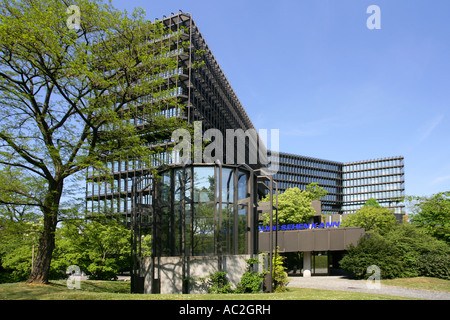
{"points": [[372, 217], [72, 78], [99, 247], [433, 214], [294, 205]]}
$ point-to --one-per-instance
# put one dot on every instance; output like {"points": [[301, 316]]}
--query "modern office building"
{"points": [[299, 171], [206, 97], [349, 185], [184, 208], [380, 179]]}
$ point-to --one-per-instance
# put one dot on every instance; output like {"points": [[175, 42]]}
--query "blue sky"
{"points": [[335, 89]]}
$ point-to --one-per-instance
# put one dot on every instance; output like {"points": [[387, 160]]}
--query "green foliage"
{"points": [[16, 264], [251, 281], [280, 276], [69, 96], [372, 217], [402, 251], [100, 248], [19, 231], [433, 214], [372, 203], [294, 206], [218, 283], [434, 265], [315, 192], [373, 250]]}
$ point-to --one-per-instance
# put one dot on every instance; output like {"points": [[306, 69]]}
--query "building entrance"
{"points": [[323, 263]]}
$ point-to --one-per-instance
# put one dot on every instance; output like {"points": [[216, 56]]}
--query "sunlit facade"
{"points": [[381, 179], [208, 211], [349, 185], [205, 95], [299, 171]]}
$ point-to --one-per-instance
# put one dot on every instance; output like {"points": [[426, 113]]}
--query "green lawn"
{"points": [[420, 283], [118, 290]]}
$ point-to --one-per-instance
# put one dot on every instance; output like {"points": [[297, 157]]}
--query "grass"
{"points": [[118, 290], [113, 290], [420, 283]]}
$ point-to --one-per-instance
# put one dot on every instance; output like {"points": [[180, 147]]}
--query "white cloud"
{"points": [[429, 127], [440, 179]]}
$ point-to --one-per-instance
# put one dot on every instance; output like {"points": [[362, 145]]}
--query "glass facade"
{"points": [[381, 179], [203, 94], [299, 171], [349, 185], [203, 210]]}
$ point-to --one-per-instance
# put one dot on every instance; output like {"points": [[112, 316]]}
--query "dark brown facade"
{"points": [[201, 88], [329, 239]]}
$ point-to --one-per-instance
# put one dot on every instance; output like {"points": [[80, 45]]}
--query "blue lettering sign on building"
{"points": [[300, 226]]}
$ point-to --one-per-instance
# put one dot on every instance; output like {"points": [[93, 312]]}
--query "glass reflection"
{"points": [[203, 184], [242, 185], [196, 186]]}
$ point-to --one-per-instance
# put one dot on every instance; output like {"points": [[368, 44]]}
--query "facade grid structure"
{"points": [[349, 185], [380, 179], [194, 217], [206, 95], [299, 171]]}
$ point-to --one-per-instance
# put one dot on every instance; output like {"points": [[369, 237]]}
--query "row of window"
{"points": [[369, 181], [305, 179], [167, 93], [105, 206], [167, 73], [123, 165], [375, 195], [354, 207], [308, 171], [167, 113], [118, 185], [372, 173], [308, 163], [373, 188], [373, 165]]}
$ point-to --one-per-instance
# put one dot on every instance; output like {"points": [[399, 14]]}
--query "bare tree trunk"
{"points": [[41, 267]]}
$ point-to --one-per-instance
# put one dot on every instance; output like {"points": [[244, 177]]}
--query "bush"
{"points": [[218, 283], [434, 265], [251, 281], [403, 251], [280, 277], [373, 250]]}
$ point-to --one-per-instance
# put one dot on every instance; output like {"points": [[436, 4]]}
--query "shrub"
{"points": [[218, 283], [251, 281], [403, 251], [434, 265], [280, 276], [372, 250]]}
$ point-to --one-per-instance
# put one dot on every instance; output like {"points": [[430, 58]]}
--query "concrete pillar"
{"points": [[307, 264]]}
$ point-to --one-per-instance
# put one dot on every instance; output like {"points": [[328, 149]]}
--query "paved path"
{"points": [[345, 284]]}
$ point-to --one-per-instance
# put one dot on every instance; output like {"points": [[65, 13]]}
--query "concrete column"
{"points": [[307, 264]]}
